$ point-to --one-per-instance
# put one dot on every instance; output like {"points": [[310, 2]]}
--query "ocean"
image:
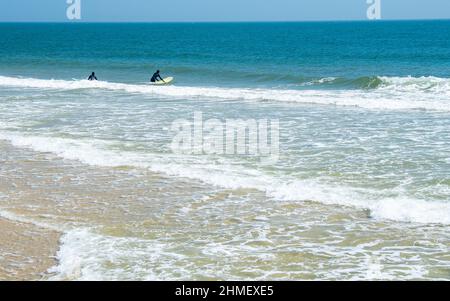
{"points": [[360, 191]]}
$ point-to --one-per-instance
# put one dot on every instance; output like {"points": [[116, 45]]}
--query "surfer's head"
{"points": [[157, 71], [93, 73]]}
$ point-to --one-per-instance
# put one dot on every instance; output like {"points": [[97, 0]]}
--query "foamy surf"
{"points": [[394, 93], [83, 254], [233, 176], [86, 255], [429, 84]]}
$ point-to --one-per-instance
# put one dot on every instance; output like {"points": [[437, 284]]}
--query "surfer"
{"points": [[92, 76], [156, 77]]}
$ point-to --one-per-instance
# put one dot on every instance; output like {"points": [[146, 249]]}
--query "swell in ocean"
{"points": [[389, 93]]}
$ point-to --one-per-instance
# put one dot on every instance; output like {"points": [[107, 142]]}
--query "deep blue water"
{"points": [[229, 54]]}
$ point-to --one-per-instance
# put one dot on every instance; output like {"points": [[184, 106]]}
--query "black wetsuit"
{"points": [[155, 77], [92, 77]]}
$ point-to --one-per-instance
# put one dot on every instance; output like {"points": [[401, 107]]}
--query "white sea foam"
{"points": [[233, 176], [83, 255], [87, 255], [430, 84], [320, 81], [396, 93]]}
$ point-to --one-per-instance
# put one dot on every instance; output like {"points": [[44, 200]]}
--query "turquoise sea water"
{"points": [[363, 175], [248, 55]]}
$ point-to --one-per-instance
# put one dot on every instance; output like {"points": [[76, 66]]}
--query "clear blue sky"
{"points": [[220, 10]]}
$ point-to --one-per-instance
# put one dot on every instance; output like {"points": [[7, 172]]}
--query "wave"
{"points": [[232, 176], [406, 84], [320, 81], [345, 83], [83, 252], [88, 255], [367, 82], [393, 93], [426, 84]]}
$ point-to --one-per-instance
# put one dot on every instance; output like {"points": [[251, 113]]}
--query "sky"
{"points": [[219, 10]]}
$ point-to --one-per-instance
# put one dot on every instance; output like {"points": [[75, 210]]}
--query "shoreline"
{"points": [[136, 226]]}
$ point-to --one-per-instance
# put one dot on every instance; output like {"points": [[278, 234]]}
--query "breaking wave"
{"points": [[385, 93]]}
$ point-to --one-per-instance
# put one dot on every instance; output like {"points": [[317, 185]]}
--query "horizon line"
{"points": [[237, 21]]}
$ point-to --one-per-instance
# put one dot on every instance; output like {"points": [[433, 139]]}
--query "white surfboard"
{"points": [[167, 81]]}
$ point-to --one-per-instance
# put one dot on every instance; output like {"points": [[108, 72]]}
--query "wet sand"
{"points": [[26, 251]]}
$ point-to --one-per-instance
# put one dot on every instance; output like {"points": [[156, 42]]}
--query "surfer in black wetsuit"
{"points": [[156, 77], [92, 76]]}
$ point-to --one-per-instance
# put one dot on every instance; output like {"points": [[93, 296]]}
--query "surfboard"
{"points": [[167, 81]]}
